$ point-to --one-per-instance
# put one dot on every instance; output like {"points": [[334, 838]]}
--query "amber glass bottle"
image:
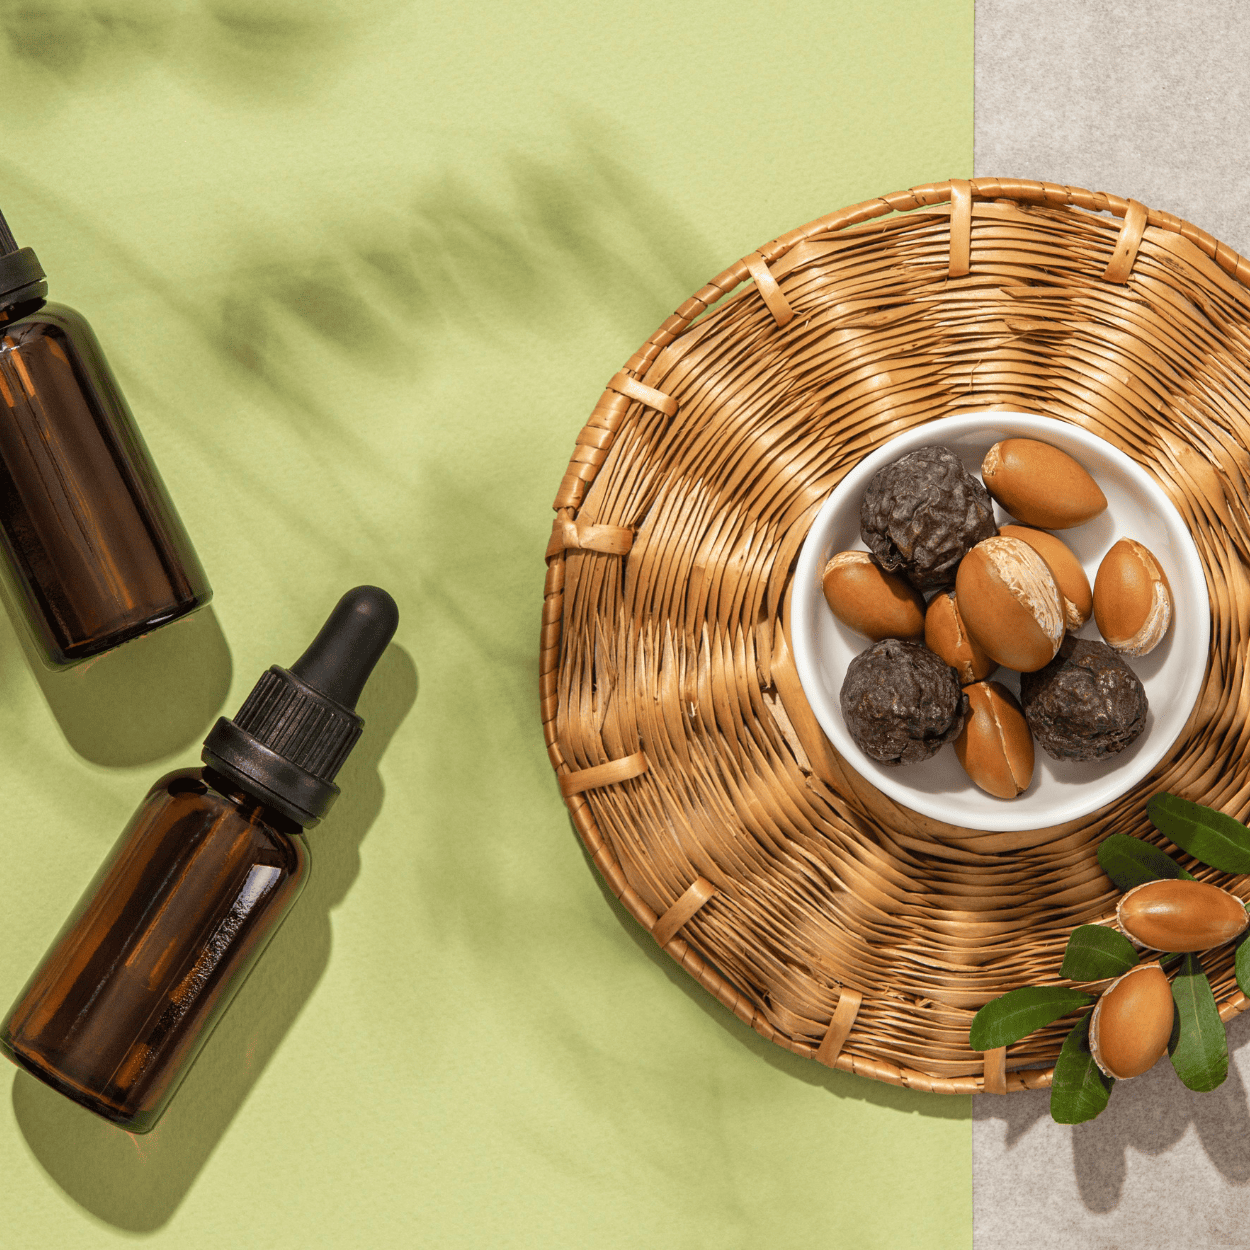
{"points": [[201, 879], [93, 552], [198, 884]]}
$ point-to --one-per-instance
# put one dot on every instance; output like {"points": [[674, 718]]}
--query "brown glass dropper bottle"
{"points": [[91, 548], [206, 870]]}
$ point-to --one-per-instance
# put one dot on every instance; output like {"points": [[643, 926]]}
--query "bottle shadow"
{"points": [[840, 1084], [118, 711], [136, 1183]]}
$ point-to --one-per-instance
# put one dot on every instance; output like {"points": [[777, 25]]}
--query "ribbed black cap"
{"points": [[290, 738], [21, 275]]}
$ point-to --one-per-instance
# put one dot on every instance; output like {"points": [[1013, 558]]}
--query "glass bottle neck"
{"points": [[230, 790], [15, 312]]}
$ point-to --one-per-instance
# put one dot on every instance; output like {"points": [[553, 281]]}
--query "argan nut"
{"points": [[995, 748], [946, 636], [1078, 602], [1132, 599], [1087, 704], [1132, 1022], [1181, 915], [867, 599], [1041, 485], [1010, 603]]}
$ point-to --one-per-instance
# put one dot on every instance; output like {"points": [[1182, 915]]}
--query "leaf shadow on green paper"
{"points": [[1149, 1114], [263, 48], [840, 1084], [547, 244], [136, 1183], [291, 322], [555, 243]]}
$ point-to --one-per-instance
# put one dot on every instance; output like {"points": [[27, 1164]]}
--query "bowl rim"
{"points": [[806, 590]]}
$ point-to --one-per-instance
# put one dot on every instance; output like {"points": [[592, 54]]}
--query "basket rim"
{"points": [[583, 469]]}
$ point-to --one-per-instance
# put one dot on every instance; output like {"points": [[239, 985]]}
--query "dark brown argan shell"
{"points": [[901, 703], [922, 514], [1086, 704]]}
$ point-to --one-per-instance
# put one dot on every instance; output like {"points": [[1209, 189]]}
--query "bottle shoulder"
{"points": [[52, 316], [195, 802], [61, 331]]}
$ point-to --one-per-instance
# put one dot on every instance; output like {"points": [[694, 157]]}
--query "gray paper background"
{"points": [[1147, 100], [1161, 1167]]}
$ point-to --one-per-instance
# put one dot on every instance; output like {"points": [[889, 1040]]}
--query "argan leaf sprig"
{"points": [[1081, 1084]]}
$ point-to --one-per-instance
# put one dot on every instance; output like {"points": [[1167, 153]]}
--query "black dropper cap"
{"points": [[298, 725], [21, 274]]}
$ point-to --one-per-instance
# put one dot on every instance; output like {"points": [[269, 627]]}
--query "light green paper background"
{"points": [[363, 270]]}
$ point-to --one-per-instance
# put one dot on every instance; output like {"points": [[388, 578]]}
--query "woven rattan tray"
{"points": [[833, 921]]}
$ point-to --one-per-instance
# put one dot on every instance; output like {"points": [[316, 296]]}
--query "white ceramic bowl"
{"points": [[1172, 673]]}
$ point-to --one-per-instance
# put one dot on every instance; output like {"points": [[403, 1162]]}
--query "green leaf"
{"points": [[1199, 1046], [1017, 1013], [1130, 862], [1079, 1090], [1242, 964], [1095, 953], [1206, 834]]}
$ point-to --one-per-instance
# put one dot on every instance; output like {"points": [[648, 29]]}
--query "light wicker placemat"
{"points": [[833, 921]]}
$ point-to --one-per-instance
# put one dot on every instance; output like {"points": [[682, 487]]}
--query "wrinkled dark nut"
{"points": [[922, 514], [1132, 1022], [995, 748], [867, 599], [901, 703], [1078, 602], [1086, 704], [1132, 599], [1041, 485], [1010, 603], [1181, 915], [946, 635]]}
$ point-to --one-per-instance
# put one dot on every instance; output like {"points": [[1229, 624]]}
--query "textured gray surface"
{"points": [[1161, 1167], [1148, 99]]}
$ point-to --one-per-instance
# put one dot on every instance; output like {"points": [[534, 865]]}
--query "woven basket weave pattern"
{"points": [[835, 922]]}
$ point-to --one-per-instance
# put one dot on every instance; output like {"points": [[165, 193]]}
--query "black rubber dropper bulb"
{"points": [[339, 660], [292, 734]]}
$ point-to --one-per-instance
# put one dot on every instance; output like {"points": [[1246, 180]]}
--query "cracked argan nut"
{"points": [[901, 704], [1010, 603], [1132, 1022], [946, 636], [1078, 602], [1181, 915], [922, 514], [867, 599], [1132, 599], [995, 748], [1087, 704], [1041, 485]]}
